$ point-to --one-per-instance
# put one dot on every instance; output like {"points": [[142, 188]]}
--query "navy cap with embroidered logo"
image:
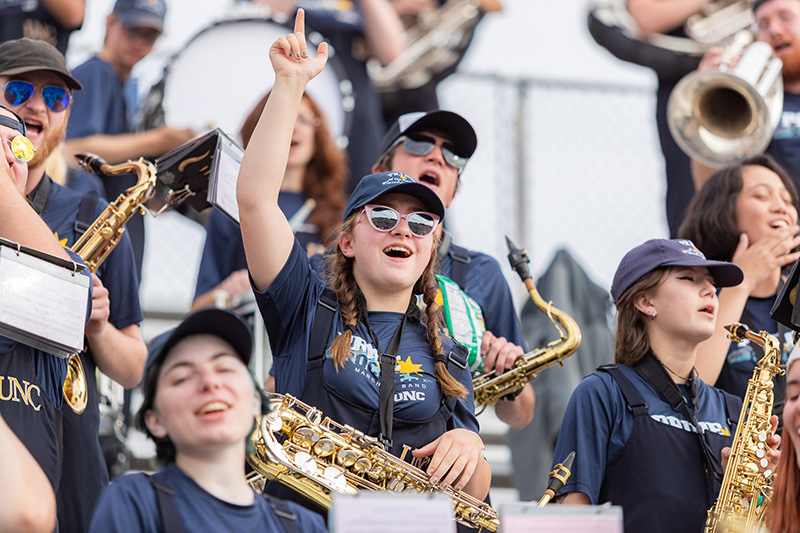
{"points": [[663, 252], [19, 56], [224, 324], [141, 13], [373, 186], [451, 125]]}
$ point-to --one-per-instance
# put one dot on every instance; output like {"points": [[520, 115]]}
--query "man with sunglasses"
{"points": [[434, 147], [103, 112], [30, 379], [38, 86]]}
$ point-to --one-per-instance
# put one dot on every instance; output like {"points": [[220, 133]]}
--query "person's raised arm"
{"points": [[266, 234], [661, 16]]}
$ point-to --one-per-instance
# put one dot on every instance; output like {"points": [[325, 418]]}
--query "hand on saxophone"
{"points": [[101, 308], [457, 457], [499, 354], [773, 442]]}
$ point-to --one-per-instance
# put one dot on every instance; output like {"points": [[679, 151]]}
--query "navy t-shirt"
{"points": [[597, 425], [785, 145], [129, 504], [288, 307], [223, 253]]}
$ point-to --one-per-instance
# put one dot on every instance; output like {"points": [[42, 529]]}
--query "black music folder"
{"points": [[205, 170], [43, 299], [786, 309]]}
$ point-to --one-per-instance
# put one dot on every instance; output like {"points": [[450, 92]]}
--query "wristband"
{"points": [[511, 396]]}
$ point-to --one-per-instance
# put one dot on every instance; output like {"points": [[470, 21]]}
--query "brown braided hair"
{"points": [[340, 279], [326, 175]]}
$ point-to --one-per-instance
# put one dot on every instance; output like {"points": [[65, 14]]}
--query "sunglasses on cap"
{"points": [[21, 146], [383, 218], [17, 92], [421, 145]]}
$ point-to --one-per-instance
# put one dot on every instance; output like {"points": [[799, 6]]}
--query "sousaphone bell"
{"points": [[725, 115]]}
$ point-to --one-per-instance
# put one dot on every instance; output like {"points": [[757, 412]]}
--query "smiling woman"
{"points": [[745, 213], [336, 342], [200, 404]]}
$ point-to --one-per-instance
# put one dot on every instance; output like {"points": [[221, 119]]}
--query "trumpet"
{"points": [[721, 116]]}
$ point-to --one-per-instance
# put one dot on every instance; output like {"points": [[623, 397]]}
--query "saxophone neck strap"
{"points": [[388, 361], [654, 373], [41, 194]]}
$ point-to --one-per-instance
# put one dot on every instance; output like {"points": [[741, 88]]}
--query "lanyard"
{"points": [[388, 361], [653, 372]]}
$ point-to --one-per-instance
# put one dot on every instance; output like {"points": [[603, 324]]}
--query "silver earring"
{"points": [[653, 315]]}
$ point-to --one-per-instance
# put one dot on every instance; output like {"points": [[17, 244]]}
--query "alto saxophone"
{"points": [[488, 387], [99, 240], [746, 489], [295, 446]]}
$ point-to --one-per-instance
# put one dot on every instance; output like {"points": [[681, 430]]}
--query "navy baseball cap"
{"points": [[373, 186], [19, 56], [663, 252], [452, 125], [211, 321], [141, 13]]}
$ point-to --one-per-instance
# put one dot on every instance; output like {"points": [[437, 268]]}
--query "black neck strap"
{"points": [[654, 373], [388, 360], [40, 194]]}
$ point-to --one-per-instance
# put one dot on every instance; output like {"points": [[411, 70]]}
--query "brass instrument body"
{"points": [[737, 507], [724, 115], [432, 45], [295, 446], [98, 241], [488, 387]]}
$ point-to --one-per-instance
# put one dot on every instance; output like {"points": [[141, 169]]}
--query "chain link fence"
{"points": [[559, 164]]}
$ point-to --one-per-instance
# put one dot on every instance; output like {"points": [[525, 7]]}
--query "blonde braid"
{"points": [[434, 322], [340, 279]]}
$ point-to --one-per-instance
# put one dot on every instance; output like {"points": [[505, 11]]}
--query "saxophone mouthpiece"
{"points": [[558, 477], [91, 162], [737, 331], [519, 260]]}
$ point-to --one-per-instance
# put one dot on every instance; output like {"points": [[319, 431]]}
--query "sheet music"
{"points": [[42, 304], [528, 518], [368, 512], [222, 190]]}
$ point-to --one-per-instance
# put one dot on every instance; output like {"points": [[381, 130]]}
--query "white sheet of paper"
{"points": [[42, 304], [368, 512], [222, 189], [528, 518]]}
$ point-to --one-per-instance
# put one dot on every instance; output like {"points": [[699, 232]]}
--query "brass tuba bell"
{"points": [[721, 116]]}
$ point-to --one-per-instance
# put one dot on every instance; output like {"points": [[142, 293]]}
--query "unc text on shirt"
{"points": [[12, 391]]}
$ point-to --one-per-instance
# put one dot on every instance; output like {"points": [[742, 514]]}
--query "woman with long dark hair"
{"points": [[745, 213]]}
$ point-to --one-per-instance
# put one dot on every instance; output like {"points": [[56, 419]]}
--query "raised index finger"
{"points": [[300, 21]]}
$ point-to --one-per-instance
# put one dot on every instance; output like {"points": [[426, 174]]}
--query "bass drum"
{"points": [[224, 70]]}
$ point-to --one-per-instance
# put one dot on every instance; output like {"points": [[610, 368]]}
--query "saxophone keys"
{"points": [[324, 447], [346, 457], [762, 436], [362, 465], [395, 485], [305, 462], [336, 478], [305, 437]]}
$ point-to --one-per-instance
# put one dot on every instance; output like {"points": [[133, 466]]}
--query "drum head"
{"points": [[225, 70]]}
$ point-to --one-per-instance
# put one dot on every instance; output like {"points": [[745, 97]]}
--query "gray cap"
{"points": [[27, 55], [141, 13]]}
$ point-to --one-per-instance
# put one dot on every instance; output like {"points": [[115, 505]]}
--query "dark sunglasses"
{"points": [[56, 98], [382, 218], [421, 145]]}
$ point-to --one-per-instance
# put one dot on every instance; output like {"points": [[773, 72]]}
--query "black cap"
{"points": [[141, 13], [663, 252], [452, 125], [375, 185], [16, 124], [28, 55], [210, 321]]}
